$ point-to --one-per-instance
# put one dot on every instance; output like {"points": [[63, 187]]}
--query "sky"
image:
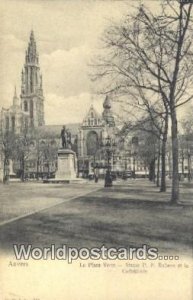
{"points": [[67, 34]]}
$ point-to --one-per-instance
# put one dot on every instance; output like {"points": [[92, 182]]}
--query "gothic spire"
{"points": [[15, 98], [31, 53], [32, 35]]}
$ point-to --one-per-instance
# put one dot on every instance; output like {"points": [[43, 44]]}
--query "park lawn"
{"points": [[129, 214]]}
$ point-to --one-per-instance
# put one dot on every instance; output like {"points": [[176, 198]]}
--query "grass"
{"points": [[129, 214]]}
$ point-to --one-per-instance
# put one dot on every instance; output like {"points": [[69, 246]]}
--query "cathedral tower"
{"points": [[32, 99]]}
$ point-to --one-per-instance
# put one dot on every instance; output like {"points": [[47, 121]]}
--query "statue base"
{"points": [[67, 165], [67, 168]]}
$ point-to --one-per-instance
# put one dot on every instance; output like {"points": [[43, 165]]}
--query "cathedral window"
{"points": [[7, 123], [13, 123], [36, 78], [26, 124], [31, 81], [92, 143], [25, 106], [31, 108]]}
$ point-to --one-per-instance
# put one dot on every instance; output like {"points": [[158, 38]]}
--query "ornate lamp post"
{"points": [[189, 154], [189, 146], [134, 153], [134, 163], [109, 147]]}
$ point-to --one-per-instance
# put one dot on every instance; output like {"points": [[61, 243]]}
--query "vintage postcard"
{"points": [[96, 150]]}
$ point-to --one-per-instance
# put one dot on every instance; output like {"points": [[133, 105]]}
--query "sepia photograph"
{"points": [[96, 150]]}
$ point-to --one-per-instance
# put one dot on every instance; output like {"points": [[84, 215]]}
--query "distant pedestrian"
{"points": [[96, 175], [96, 178]]}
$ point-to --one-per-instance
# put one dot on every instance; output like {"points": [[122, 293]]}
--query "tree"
{"points": [[186, 145], [8, 149], [48, 154], [150, 137], [155, 129], [148, 64], [149, 151], [22, 149]]}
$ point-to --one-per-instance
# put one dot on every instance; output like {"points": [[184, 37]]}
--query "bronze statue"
{"points": [[64, 137]]}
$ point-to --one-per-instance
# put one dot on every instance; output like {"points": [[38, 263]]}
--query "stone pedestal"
{"points": [[67, 165]]}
